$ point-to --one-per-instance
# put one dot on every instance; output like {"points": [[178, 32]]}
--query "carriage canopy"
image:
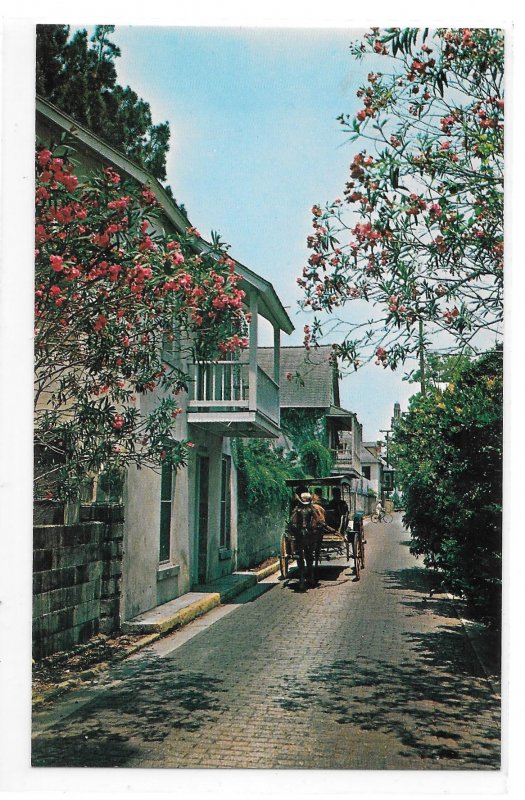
{"points": [[332, 480]]}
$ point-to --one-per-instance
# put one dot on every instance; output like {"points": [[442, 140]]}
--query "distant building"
{"points": [[372, 467], [309, 382], [397, 415]]}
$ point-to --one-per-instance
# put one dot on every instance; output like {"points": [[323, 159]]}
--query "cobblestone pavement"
{"points": [[357, 675]]}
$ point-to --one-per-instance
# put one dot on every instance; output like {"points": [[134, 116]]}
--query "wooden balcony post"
{"points": [[276, 354], [277, 364], [252, 352]]}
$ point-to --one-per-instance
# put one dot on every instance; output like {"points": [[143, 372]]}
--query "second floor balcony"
{"points": [[232, 398], [236, 397], [346, 463]]}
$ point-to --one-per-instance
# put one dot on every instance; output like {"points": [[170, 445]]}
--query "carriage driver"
{"points": [[302, 489], [302, 497]]}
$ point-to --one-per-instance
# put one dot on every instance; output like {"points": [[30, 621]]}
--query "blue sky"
{"points": [[254, 144]]}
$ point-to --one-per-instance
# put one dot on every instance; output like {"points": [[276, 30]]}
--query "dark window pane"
{"points": [[225, 502], [166, 491], [165, 526], [166, 482]]}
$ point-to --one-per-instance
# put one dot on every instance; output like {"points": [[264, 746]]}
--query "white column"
{"points": [[277, 365], [276, 353], [252, 397]]}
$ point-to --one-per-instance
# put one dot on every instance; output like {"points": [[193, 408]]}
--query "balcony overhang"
{"points": [[343, 418], [235, 423], [348, 472]]}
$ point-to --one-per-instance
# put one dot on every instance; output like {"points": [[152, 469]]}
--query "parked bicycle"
{"points": [[382, 516]]}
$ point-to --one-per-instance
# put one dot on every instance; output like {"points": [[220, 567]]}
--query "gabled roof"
{"points": [[315, 367], [367, 457], [270, 305]]}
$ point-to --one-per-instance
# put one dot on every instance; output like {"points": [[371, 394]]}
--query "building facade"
{"points": [[180, 528]]}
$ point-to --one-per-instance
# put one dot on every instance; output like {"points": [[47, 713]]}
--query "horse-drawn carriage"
{"points": [[320, 527]]}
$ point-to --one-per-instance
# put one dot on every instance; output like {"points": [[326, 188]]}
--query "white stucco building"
{"points": [[181, 528]]}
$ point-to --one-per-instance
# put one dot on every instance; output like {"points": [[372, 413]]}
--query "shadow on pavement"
{"points": [[325, 574], [330, 572], [415, 579], [437, 705], [420, 581], [146, 707]]}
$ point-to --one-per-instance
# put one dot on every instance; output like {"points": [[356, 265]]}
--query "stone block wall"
{"points": [[366, 503], [77, 581], [259, 535]]}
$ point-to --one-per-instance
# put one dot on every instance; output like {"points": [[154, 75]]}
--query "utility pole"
{"points": [[422, 359]]}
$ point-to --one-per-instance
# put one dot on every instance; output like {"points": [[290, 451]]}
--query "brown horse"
{"points": [[307, 526]]}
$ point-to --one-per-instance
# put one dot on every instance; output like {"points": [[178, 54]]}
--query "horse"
{"points": [[307, 526]]}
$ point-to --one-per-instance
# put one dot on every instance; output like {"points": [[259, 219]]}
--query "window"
{"points": [[366, 472], [225, 502], [166, 493]]}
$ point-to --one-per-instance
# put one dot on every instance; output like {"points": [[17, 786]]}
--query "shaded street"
{"points": [[357, 675]]}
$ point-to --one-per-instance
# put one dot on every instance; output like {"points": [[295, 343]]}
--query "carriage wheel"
{"points": [[356, 544], [284, 557]]}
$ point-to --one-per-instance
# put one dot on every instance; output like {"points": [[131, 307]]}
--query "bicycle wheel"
{"points": [[375, 517], [388, 518], [356, 547]]}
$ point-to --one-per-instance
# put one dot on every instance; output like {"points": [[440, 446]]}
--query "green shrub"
{"points": [[262, 471], [316, 459], [449, 460]]}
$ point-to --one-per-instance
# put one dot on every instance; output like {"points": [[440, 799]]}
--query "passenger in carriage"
{"points": [[318, 499], [336, 509]]}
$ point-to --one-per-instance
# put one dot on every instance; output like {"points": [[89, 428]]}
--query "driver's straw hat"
{"points": [[305, 498]]}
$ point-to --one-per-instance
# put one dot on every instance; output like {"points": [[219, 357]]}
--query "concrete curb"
{"points": [[182, 618], [267, 571], [175, 619], [467, 625]]}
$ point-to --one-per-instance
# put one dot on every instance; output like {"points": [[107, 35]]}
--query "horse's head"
{"points": [[302, 518]]}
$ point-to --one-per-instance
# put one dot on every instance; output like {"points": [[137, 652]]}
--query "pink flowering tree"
{"points": [[117, 307], [418, 235]]}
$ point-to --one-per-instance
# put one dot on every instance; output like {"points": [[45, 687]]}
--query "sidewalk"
{"points": [[146, 628]]}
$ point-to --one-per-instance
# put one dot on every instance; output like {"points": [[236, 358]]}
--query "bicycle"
{"points": [[384, 517]]}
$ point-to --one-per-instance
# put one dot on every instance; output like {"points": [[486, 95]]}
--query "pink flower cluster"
{"points": [[381, 356]]}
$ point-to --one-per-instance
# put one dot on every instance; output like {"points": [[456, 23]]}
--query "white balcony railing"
{"points": [[267, 396], [220, 383], [225, 385], [345, 459]]}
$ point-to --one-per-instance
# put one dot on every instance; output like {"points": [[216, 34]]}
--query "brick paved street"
{"points": [[358, 675]]}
